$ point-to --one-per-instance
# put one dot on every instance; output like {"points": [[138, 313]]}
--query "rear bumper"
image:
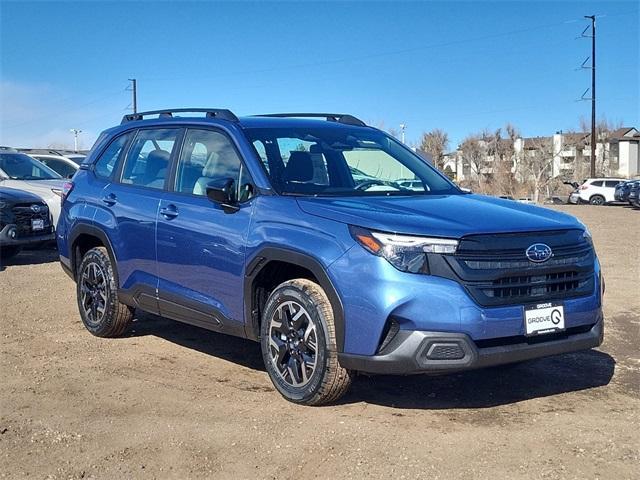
{"points": [[6, 240], [414, 351]]}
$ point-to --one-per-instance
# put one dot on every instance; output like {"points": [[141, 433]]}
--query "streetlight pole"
{"points": [[75, 132], [402, 129]]}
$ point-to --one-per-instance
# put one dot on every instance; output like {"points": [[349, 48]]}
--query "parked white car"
{"points": [[65, 167], [20, 171], [598, 191]]}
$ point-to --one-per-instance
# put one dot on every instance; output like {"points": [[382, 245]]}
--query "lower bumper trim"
{"points": [[414, 352]]}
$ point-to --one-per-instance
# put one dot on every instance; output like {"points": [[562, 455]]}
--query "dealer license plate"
{"points": [[37, 224], [543, 318]]}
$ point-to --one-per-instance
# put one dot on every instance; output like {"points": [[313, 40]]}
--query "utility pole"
{"points": [[594, 139], [75, 132], [134, 93], [403, 127]]}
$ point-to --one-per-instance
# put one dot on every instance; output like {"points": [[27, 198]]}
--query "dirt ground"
{"points": [[173, 401]]}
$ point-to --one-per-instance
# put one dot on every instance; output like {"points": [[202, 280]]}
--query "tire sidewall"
{"points": [[104, 326], [280, 295], [597, 200]]}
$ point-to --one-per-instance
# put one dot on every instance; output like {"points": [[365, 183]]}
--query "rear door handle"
{"points": [[109, 199], [169, 212]]}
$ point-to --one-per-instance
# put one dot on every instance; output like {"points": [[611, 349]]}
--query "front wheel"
{"points": [[597, 200], [299, 344]]}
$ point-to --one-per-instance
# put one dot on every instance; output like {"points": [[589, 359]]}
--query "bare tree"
{"points": [[576, 142], [535, 164], [473, 152], [435, 143]]}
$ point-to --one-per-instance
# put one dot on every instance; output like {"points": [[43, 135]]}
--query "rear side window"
{"points": [[147, 163], [108, 161], [597, 183], [611, 183]]}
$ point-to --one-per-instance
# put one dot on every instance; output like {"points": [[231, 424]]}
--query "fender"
{"points": [[86, 229], [267, 254]]}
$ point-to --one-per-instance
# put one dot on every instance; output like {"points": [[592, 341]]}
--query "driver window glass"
{"points": [[206, 156]]}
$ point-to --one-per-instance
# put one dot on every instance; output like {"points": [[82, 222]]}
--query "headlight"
{"points": [[405, 252]]}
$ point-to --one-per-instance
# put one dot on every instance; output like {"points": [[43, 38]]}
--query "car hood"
{"points": [[451, 216], [16, 196], [41, 188]]}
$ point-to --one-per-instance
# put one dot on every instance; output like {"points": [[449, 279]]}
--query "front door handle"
{"points": [[109, 199], [169, 212]]}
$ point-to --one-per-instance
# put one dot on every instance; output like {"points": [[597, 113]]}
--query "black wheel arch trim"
{"points": [[262, 259], [92, 230]]}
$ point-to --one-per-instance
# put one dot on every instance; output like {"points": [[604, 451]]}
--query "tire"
{"points": [[299, 344], [97, 292], [597, 200], [9, 252]]}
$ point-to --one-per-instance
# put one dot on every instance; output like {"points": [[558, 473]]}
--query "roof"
{"points": [[244, 122], [621, 132]]}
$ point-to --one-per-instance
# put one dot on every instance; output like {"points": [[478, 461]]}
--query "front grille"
{"points": [[495, 270], [23, 215], [536, 285]]}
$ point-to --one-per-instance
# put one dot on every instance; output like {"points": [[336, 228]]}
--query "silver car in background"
{"points": [[20, 171]]}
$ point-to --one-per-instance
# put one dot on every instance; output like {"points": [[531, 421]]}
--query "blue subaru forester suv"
{"points": [[298, 231]]}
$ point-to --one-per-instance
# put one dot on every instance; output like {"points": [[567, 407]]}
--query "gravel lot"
{"points": [[174, 401]]}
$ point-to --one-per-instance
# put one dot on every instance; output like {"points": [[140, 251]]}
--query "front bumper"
{"points": [[415, 351], [7, 240]]}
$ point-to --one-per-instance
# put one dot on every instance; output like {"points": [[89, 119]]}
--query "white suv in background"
{"points": [[598, 191]]}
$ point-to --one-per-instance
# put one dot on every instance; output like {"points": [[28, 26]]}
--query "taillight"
{"points": [[66, 190], [584, 187]]}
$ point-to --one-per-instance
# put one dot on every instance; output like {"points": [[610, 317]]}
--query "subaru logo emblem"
{"points": [[35, 208], [539, 252]]}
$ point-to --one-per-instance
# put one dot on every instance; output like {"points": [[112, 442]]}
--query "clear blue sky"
{"points": [[459, 66]]}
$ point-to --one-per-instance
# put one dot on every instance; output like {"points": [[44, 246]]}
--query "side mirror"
{"points": [[223, 193]]}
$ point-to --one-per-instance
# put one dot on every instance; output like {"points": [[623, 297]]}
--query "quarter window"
{"points": [[147, 162]]}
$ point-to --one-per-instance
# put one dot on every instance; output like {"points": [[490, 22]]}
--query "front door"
{"points": [[201, 247]]}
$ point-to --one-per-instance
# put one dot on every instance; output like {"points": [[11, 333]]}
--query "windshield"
{"points": [[339, 160], [18, 166]]}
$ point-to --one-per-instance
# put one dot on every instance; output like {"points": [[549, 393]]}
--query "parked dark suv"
{"points": [[259, 227], [24, 220]]}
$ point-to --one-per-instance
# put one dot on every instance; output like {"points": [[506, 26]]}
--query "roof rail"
{"points": [[331, 117], [222, 113]]}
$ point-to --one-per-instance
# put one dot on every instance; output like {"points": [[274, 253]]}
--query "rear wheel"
{"points": [[101, 311], [9, 252], [597, 200], [299, 344]]}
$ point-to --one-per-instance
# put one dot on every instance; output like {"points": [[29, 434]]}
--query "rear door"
{"points": [[201, 247], [609, 189], [132, 201]]}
